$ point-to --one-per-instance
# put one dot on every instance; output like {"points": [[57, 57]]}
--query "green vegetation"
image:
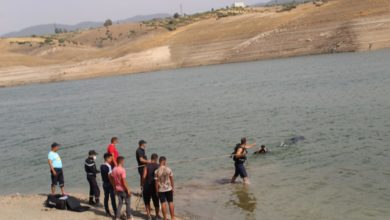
{"points": [[176, 15], [107, 23], [131, 33], [28, 43], [171, 26], [48, 40], [177, 21], [99, 42], [292, 5], [60, 30], [319, 2], [288, 7]]}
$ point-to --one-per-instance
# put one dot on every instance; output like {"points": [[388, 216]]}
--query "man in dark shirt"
{"points": [[108, 188], [90, 169], [149, 189], [142, 159], [239, 157]]}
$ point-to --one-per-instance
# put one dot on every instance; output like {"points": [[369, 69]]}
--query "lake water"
{"points": [[339, 103]]}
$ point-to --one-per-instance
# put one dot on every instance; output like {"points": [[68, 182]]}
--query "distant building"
{"points": [[238, 5]]}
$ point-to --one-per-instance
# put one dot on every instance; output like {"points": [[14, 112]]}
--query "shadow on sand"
{"points": [[101, 212]]}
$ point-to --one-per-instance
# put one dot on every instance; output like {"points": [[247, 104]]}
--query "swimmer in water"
{"points": [[262, 150]]}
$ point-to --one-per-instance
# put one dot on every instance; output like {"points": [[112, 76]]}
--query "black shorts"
{"points": [[149, 193], [240, 170], [57, 179], [141, 170], [166, 196]]}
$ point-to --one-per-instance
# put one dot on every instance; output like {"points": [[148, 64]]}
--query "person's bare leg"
{"points": [[147, 207], [246, 181], [157, 212], [233, 179], [172, 210], [53, 190], [62, 190], [164, 210]]}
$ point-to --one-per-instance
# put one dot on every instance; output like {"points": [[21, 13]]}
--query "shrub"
{"points": [[176, 15], [170, 27], [288, 7], [222, 14], [107, 23], [48, 40]]}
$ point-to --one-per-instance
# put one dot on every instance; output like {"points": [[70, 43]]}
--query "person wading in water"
{"points": [[239, 157]]}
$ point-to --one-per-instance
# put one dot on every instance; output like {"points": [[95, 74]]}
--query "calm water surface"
{"points": [[340, 103]]}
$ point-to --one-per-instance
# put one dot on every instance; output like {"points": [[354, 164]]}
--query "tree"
{"points": [[176, 15], [107, 23], [57, 30]]}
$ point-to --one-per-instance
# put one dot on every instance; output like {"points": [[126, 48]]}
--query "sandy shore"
{"points": [[32, 207]]}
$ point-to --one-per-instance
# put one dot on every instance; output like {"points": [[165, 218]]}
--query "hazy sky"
{"points": [[18, 14]]}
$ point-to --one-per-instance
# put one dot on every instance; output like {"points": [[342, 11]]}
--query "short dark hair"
{"points": [[107, 155], [141, 142], [120, 159], [154, 156], [162, 159], [55, 144], [113, 139], [262, 146], [243, 140]]}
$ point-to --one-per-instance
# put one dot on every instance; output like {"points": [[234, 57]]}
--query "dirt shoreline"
{"points": [[258, 34], [32, 207]]}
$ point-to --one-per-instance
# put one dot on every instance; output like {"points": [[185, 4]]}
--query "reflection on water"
{"points": [[242, 198]]}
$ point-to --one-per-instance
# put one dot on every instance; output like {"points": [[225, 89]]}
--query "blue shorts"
{"points": [[240, 170]]}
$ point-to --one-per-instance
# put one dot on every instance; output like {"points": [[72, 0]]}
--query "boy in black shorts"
{"points": [[148, 185], [165, 187]]}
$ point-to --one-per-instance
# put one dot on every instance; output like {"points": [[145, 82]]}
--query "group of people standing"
{"points": [[156, 180]]}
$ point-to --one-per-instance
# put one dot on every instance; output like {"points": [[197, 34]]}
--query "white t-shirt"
{"points": [[161, 175]]}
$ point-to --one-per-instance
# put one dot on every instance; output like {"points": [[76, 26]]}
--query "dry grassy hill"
{"points": [[209, 38]]}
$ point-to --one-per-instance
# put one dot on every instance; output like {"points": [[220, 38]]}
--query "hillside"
{"points": [[217, 37], [45, 29], [279, 2]]}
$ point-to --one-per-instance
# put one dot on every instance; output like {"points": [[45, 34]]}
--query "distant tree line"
{"points": [[60, 30]]}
